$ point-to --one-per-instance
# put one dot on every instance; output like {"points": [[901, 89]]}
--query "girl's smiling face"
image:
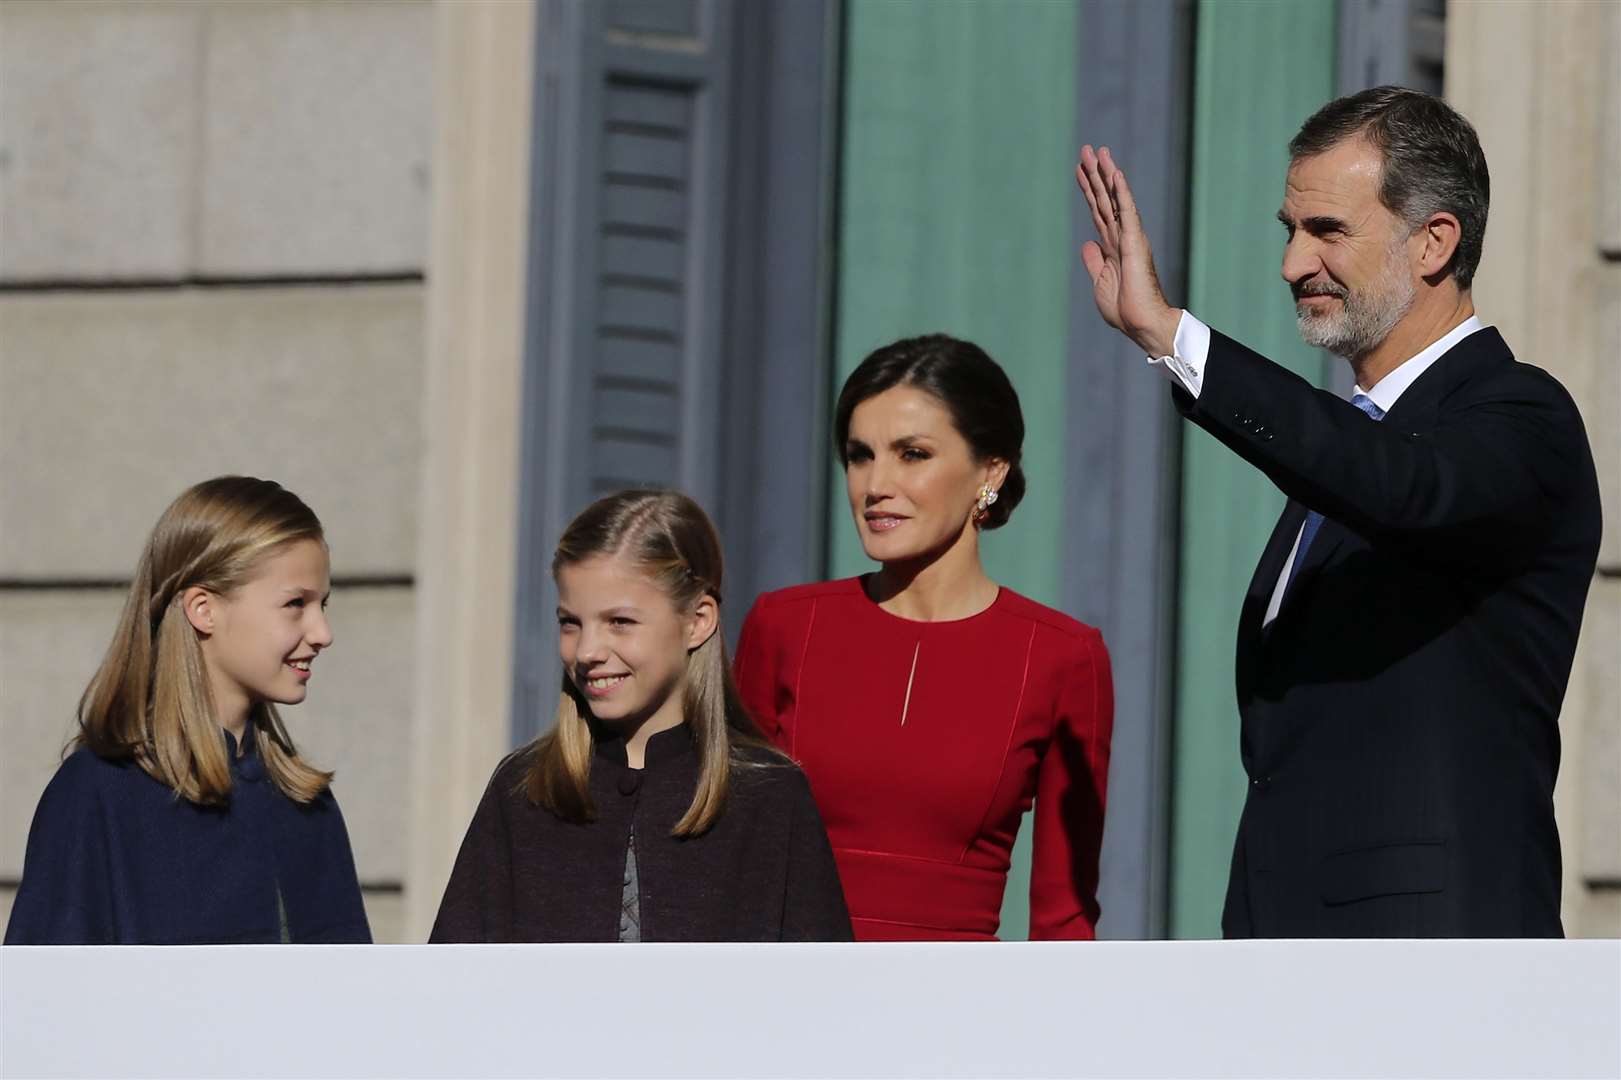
{"points": [[624, 644], [260, 640]]}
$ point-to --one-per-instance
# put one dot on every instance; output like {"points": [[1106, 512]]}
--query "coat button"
{"points": [[629, 781], [1261, 783]]}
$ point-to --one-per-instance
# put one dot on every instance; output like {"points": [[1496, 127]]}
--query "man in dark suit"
{"points": [[1406, 640]]}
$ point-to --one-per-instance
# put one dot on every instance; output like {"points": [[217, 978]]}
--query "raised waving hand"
{"points": [[1120, 260]]}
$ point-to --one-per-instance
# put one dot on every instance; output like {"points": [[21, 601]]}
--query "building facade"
{"points": [[451, 269]]}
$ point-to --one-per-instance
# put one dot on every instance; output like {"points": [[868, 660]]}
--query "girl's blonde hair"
{"points": [[150, 700], [669, 537]]}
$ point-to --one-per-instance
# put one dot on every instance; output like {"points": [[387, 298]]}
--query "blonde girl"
{"points": [[652, 811], [183, 813]]}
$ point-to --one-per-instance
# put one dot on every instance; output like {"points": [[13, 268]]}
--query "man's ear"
{"points": [[703, 621], [1440, 236], [201, 608]]}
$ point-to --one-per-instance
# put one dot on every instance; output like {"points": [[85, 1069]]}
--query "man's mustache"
{"points": [[1318, 288]]}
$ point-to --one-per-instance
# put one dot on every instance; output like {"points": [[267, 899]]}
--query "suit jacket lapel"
{"points": [[1330, 535], [1273, 555], [1262, 582], [1413, 414]]}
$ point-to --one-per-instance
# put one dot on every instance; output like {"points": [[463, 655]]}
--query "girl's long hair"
{"points": [[150, 700], [669, 537]]}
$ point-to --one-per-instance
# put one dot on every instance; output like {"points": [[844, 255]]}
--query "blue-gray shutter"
{"points": [[658, 352], [1134, 94]]}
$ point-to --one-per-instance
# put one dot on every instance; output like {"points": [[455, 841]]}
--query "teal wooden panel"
{"points": [[1262, 67], [954, 216]]}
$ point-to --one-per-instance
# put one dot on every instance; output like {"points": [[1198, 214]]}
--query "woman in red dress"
{"points": [[928, 705]]}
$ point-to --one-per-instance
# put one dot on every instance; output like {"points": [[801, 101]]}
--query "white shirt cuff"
{"points": [[1186, 365]]}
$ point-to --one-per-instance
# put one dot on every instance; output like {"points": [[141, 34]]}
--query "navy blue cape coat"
{"points": [[116, 858]]}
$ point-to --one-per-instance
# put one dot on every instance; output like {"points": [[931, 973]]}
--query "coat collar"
{"points": [[1416, 408], [249, 766], [1389, 389], [663, 748]]}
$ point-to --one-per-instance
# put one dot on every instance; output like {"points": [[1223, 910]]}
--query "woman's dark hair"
{"points": [[974, 389]]}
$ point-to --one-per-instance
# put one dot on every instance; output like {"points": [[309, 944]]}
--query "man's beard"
{"points": [[1365, 318]]}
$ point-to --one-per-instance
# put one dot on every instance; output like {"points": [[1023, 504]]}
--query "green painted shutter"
{"points": [[955, 194], [1261, 69]]}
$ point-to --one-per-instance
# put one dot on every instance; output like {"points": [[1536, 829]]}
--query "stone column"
{"points": [[467, 540], [1540, 83]]}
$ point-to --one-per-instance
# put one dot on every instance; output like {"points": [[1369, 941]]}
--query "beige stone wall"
{"points": [[165, 139], [113, 402], [213, 236], [1542, 84], [468, 541]]}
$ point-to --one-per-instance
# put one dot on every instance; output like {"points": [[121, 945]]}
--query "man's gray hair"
{"points": [[1432, 160]]}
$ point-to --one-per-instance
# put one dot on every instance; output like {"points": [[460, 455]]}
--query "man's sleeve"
{"points": [[1479, 489]]}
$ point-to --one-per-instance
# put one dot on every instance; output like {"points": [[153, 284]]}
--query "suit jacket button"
{"points": [[1261, 783]]}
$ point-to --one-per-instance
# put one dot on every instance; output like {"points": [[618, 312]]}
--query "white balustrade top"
{"points": [[1120, 1009]]}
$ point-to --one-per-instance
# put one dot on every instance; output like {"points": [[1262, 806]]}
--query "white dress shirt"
{"points": [[1192, 349]]}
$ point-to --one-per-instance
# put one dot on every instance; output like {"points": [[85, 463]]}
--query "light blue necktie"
{"points": [[1314, 520]]}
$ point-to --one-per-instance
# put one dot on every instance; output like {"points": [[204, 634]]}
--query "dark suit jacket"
{"points": [[1400, 716]]}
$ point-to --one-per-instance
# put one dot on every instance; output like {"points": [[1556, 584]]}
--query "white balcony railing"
{"points": [[1253, 1009]]}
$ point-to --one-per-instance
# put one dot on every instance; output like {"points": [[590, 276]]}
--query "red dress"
{"points": [[925, 743]]}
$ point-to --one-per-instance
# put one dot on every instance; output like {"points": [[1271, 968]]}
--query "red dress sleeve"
{"points": [[755, 672], [1070, 790]]}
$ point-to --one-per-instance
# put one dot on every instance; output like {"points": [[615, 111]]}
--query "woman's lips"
{"points": [[882, 522]]}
